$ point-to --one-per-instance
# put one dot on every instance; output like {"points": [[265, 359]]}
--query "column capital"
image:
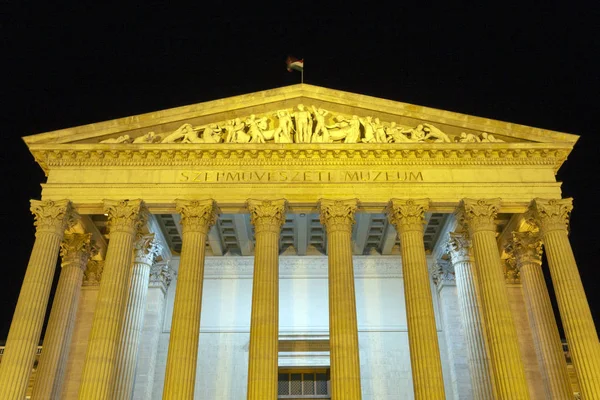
{"points": [[197, 215], [550, 214], [526, 248], [338, 215], [459, 246], [146, 249], [407, 215], [125, 215], [93, 273], [76, 249], [442, 272], [53, 216], [267, 215], [478, 214], [161, 275]]}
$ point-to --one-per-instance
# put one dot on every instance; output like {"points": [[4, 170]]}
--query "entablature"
{"points": [[270, 154]]}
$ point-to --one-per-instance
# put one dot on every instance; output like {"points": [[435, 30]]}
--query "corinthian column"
{"points": [[507, 366], [552, 217], [51, 220], [459, 247], [408, 217], [197, 216], [267, 217], [124, 218], [337, 216], [146, 249], [527, 251], [75, 251]]}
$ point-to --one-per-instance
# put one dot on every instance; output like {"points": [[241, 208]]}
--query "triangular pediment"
{"points": [[271, 116]]}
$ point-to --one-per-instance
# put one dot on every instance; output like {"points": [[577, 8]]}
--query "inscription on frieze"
{"points": [[257, 176]]}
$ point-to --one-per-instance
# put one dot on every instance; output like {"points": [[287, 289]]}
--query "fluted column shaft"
{"points": [[180, 377], [267, 217], [51, 220], [145, 251], [527, 250], [97, 381], [337, 217], [408, 216], [479, 361], [507, 366], [552, 217], [75, 252], [160, 278]]}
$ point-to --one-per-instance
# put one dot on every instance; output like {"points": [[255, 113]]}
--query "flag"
{"points": [[294, 64]]}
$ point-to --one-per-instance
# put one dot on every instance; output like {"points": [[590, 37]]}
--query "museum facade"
{"points": [[301, 243]]}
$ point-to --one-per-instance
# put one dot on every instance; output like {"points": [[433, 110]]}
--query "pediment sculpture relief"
{"points": [[303, 125]]}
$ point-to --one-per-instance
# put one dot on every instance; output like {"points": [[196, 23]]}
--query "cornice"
{"points": [[414, 154]]}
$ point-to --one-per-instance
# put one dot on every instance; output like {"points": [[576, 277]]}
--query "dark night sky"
{"points": [[532, 64]]}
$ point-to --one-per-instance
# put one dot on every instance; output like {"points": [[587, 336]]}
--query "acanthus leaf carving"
{"points": [[197, 215], [338, 215], [53, 216], [93, 273], [550, 214], [526, 248], [442, 272], [267, 215], [459, 246], [125, 215], [478, 214], [77, 249], [146, 249], [161, 275], [407, 215]]}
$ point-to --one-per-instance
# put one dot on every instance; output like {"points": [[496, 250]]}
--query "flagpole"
{"points": [[302, 76]]}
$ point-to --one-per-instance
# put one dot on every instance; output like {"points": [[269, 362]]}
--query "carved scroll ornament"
{"points": [[302, 124]]}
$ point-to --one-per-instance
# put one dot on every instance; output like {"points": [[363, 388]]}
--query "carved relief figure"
{"points": [[380, 135], [468, 138], [488, 137], [321, 133], [296, 126], [149, 137], [283, 133], [303, 124], [435, 133], [179, 134], [211, 134], [396, 135], [369, 136], [254, 129], [231, 128], [120, 139]]}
